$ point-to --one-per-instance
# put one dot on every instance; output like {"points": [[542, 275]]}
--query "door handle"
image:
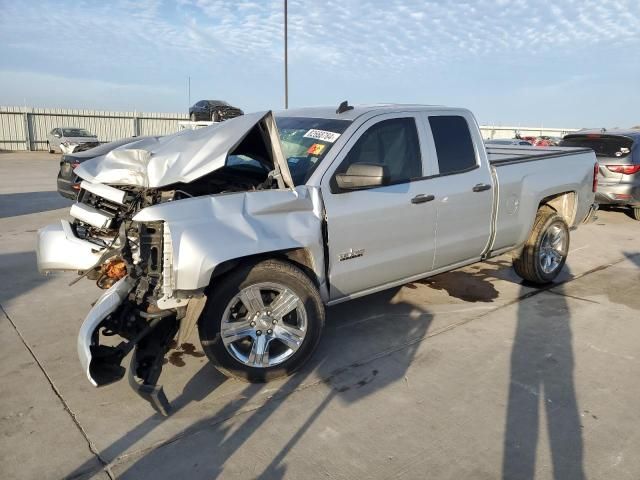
{"points": [[481, 187], [422, 198]]}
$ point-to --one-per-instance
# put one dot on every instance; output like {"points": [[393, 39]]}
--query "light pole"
{"points": [[286, 60]]}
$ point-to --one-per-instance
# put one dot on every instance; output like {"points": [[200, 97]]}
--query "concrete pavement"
{"points": [[469, 374]]}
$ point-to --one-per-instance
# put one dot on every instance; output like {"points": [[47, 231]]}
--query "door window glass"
{"points": [[393, 143], [453, 143]]}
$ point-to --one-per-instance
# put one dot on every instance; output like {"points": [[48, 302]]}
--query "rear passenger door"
{"points": [[381, 234], [462, 187]]}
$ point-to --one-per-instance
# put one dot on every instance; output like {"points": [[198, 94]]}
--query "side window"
{"points": [[453, 144], [393, 143]]}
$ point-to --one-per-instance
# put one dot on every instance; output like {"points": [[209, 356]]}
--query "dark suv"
{"points": [[618, 153], [213, 110]]}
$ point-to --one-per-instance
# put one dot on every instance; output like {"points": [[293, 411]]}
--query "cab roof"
{"points": [[329, 112]]}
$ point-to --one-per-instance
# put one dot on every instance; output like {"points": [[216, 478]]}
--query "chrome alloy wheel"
{"points": [[552, 249], [263, 325]]}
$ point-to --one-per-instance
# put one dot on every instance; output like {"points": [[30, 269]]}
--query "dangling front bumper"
{"points": [[108, 303], [149, 335], [58, 248]]}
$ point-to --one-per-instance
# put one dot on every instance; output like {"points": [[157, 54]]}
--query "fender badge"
{"points": [[351, 254]]}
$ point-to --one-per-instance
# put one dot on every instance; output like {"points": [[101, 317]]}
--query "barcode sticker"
{"points": [[323, 135]]}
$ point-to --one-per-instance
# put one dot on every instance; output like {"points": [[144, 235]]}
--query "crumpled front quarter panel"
{"points": [[206, 231]]}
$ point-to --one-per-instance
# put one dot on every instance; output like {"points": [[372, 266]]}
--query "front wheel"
{"points": [[262, 321], [215, 116], [545, 252], [635, 213], [193, 117]]}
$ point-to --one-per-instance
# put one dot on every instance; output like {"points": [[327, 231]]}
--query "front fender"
{"points": [[209, 230], [108, 302]]}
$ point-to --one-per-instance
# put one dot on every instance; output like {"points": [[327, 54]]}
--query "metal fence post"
{"points": [[27, 131], [136, 126]]}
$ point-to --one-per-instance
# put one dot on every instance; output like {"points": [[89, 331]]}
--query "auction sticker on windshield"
{"points": [[316, 149], [323, 135]]}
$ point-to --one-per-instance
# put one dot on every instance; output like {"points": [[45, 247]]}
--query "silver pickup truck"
{"points": [[249, 228]]}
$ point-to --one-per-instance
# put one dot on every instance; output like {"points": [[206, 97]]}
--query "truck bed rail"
{"points": [[508, 155]]}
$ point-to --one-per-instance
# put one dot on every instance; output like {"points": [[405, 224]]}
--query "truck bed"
{"points": [[526, 175], [508, 154]]}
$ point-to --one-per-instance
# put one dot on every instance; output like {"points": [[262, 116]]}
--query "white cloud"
{"points": [[333, 32]]}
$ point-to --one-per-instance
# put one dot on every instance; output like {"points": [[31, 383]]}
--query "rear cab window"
{"points": [[453, 143]]}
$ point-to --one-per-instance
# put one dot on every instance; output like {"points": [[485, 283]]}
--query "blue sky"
{"points": [[564, 63]]}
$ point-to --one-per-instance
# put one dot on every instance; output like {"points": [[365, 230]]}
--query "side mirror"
{"points": [[363, 175]]}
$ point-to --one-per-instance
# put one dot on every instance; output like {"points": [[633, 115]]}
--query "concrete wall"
{"points": [[26, 128]]}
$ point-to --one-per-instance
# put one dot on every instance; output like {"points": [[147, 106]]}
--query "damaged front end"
{"points": [[127, 258], [112, 241]]}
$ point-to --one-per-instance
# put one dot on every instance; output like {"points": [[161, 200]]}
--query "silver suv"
{"points": [[618, 153]]}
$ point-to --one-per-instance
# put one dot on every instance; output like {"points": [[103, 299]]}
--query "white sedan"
{"points": [[67, 140]]}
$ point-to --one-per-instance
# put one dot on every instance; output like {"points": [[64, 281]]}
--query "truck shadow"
{"points": [[15, 204], [542, 366], [470, 286], [20, 267], [474, 283], [343, 364]]}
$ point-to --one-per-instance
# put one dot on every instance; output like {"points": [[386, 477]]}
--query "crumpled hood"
{"points": [[184, 156]]}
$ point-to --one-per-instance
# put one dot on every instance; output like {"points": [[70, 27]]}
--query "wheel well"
{"points": [[563, 203], [300, 257]]}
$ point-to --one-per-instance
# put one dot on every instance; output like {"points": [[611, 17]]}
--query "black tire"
{"points": [[49, 148], [527, 262], [635, 213], [215, 116], [227, 287], [193, 117]]}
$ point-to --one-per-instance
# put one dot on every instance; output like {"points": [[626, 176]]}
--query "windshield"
{"points": [[76, 132], [603, 145], [306, 141]]}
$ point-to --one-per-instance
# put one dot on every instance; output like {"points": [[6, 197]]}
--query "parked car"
{"points": [[507, 141], [68, 139], [618, 152], [68, 182], [546, 141], [213, 110], [249, 228]]}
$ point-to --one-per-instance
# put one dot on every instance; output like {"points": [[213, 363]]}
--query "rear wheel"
{"points": [[193, 117], [49, 148], [263, 321], [545, 252], [635, 213]]}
